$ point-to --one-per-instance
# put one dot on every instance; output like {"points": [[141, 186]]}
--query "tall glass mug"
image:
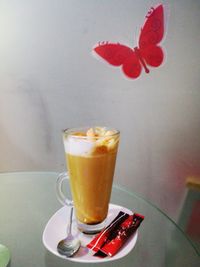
{"points": [[90, 156]]}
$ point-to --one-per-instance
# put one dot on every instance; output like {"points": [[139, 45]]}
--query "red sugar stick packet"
{"points": [[101, 238], [126, 229], [116, 238]]}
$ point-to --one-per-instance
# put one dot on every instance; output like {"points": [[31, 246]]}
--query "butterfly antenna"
{"points": [[150, 12]]}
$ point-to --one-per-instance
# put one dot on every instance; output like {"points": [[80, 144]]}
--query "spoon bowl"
{"points": [[71, 244]]}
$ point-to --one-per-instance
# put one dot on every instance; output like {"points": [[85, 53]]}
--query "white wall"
{"points": [[49, 80]]}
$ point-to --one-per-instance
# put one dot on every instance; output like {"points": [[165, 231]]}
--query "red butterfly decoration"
{"points": [[147, 53]]}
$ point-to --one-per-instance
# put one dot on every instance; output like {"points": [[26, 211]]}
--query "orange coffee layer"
{"points": [[91, 184]]}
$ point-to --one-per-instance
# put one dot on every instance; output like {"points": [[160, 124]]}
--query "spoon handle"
{"points": [[70, 221]]}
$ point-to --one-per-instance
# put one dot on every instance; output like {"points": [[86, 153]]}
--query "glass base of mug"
{"points": [[91, 228]]}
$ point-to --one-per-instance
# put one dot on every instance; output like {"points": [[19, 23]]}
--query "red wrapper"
{"points": [[127, 228], [104, 236], [113, 237]]}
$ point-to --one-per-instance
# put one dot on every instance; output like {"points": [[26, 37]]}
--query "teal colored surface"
{"points": [[4, 256], [28, 200]]}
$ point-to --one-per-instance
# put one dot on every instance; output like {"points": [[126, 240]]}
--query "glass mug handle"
{"points": [[60, 195]]}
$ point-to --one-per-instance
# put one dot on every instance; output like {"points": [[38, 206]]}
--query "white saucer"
{"points": [[55, 230]]}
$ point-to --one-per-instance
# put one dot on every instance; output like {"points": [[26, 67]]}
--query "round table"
{"points": [[28, 200]]}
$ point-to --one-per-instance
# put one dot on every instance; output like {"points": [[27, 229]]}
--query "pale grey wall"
{"points": [[49, 80]]}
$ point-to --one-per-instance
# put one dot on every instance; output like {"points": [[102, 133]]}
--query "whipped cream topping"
{"points": [[95, 141], [78, 146]]}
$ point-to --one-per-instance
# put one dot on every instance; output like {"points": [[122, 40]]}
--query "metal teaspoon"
{"points": [[71, 244]]}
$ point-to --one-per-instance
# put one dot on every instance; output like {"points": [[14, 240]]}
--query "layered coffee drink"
{"points": [[91, 156]]}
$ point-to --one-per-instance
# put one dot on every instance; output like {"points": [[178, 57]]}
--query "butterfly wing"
{"points": [[132, 67], [120, 55], [153, 29], [153, 55], [115, 54], [151, 35]]}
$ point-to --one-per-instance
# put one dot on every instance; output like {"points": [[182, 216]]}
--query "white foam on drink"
{"points": [[78, 147]]}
